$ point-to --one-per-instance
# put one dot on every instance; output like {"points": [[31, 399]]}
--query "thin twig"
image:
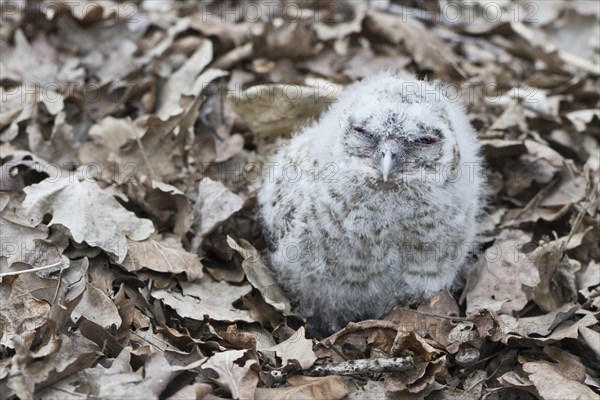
{"points": [[2, 275], [60, 274]]}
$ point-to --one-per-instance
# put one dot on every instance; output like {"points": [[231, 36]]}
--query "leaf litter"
{"points": [[133, 136]]}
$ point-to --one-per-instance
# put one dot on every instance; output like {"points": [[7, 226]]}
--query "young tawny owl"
{"points": [[374, 205]]}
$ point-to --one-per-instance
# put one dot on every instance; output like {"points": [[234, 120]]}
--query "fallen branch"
{"points": [[368, 366], [364, 366]]}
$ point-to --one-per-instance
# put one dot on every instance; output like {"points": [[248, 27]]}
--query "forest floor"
{"points": [[131, 147]]}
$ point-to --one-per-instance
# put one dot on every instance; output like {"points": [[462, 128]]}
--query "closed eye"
{"points": [[425, 140], [363, 132]]}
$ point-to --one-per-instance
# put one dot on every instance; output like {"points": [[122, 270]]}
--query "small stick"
{"points": [[2, 275], [368, 366]]}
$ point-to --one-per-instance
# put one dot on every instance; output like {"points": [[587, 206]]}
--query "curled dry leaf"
{"points": [[61, 357], [276, 110], [260, 276]]}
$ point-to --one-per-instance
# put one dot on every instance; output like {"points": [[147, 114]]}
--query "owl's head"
{"points": [[393, 129]]}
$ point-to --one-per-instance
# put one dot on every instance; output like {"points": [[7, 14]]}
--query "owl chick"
{"points": [[375, 204]]}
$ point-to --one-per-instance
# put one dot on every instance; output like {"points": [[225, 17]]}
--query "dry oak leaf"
{"points": [[23, 63], [88, 212], [117, 381], [206, 298], [238, 380], [18, 240], [162, 255], [507, 277], [20, 312], [61, 357], [179, 82], [296, 347], [551, 384], [173, 137], [305, 388]]}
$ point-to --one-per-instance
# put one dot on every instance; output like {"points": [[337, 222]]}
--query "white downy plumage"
{"points": [[375, 204]]}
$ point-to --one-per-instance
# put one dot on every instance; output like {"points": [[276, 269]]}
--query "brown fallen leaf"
{"points": [[305, 387], [507, 277], [550, 383], [164, 254], [61, 357], [277, 110], [428, 51]]}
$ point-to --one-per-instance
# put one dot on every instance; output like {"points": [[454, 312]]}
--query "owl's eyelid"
{"points": [[425, 140], [362, 131]]}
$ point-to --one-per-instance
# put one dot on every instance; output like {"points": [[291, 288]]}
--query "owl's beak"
{"points": [[387, 163]]}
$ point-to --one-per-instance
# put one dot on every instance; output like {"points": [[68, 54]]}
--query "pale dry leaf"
{"points": [[428, 50], [173, 137], [118, 379], [89, 213], [63, 356], [541, 325], [99, 154], [293, 39], [172, 201], [20, 312], [591, 338], [22, 61], [260, 276], [307, 388], [340, 30], [158, 373], [296, 347], [214, 205], [557, 278], [206, 298], [570, 328], [551, 384], [238, 380], [229, 147], [507, 276], [179, 82], [581, 118], [277, 110], [162, 255], [18, 241], [96, 306], [194, 391]]}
